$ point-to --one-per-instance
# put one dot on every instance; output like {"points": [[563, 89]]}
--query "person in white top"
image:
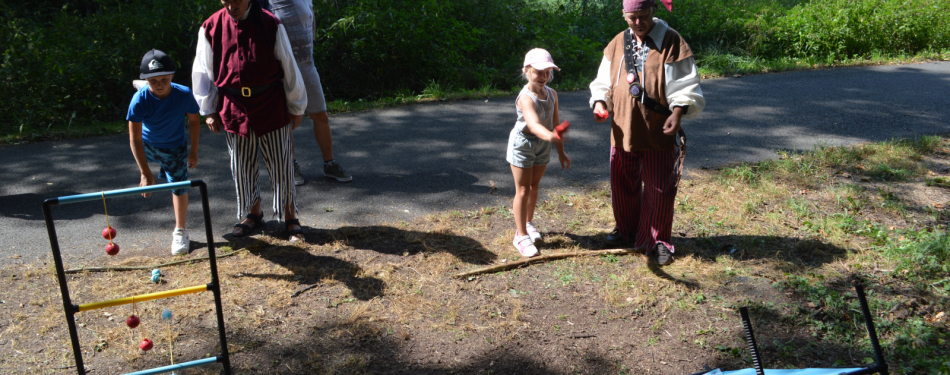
{"points": [[648, 83], [246, 82]]}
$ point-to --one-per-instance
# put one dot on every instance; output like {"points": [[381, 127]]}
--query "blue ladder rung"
{"points": [[123, 192], [180, 366]]}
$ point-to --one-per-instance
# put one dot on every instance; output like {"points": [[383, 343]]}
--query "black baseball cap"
{"points": [[156, 63]]}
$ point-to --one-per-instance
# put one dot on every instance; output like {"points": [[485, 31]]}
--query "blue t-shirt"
{"points": [[163, 120]]}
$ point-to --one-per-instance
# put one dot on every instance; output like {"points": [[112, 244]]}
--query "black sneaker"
{"points": [[615, 238], [334, 170], [660, 254]]}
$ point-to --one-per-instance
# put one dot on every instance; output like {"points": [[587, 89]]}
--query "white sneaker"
{"points": [[525, 246], [533, 232], [180, 242]]}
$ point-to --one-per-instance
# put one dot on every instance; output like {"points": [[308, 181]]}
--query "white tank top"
{"points": [[544, 109]]}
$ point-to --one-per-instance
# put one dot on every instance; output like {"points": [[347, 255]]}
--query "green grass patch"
{"points": [[55, 131]]}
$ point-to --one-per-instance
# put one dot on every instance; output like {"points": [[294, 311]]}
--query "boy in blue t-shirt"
{"points": [[157, 134]]}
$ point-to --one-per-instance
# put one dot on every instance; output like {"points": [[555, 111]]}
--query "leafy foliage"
{"points": [[76, 63], [67, 62]]}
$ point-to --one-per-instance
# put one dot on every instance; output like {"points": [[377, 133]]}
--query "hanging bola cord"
{"points": [[106, 210], [167, 317], [109, 233], [630, 64], [135, 313]]}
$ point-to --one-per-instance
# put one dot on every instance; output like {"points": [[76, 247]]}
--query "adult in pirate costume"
{"points": [[247, 82], [648, 81]]}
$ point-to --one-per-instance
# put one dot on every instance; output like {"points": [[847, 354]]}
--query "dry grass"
{"points": [[377, 299]]}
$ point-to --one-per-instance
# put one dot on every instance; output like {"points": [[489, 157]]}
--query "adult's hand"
{"points": [[600, 113], [296, 119], [672, 125], [214, 122]]}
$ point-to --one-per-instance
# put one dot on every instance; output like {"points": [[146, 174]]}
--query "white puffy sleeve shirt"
{"points": [[682, 79]]}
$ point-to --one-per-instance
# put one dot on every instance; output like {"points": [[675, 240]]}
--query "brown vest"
{"points": [[633, 126]]}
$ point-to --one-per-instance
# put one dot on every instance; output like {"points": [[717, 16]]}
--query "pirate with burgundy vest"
{"points": [[247, 82], [648, 82]]}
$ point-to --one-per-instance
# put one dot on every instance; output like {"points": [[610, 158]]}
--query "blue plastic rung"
{"points": [[123, 192], [180, 366]]}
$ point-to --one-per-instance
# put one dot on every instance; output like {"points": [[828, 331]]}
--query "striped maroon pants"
{"points": [[643, 195]]}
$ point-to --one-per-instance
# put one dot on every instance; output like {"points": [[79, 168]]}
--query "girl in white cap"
{"points": [[529, 145]]}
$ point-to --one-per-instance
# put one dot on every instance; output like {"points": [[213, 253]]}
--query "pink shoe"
{"points": [[525, 246]]}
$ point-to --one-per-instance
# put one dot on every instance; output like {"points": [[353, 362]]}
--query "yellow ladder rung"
{"points": [[142, 297]]}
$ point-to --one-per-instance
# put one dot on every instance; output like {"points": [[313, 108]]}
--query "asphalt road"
{"points": [[415, 160]]}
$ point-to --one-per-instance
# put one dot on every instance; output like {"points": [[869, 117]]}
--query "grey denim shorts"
{"points": [[526, 152], [298, 21]]}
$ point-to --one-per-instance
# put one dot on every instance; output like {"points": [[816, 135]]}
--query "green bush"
{"points": [[77, 62], [72, 61], [860, 28]]}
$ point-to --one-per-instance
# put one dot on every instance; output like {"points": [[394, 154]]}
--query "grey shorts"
{"points": [[526, 152], [298, 20], [316, 103]]}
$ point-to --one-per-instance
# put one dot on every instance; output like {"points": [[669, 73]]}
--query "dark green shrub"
{"points": [[68, 61], [77, 63]]}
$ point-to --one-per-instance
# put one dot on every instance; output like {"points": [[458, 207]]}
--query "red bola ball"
{"points": [[133, 321], [561, 129], [108, 233], [601, 115], [146, 345], [112, 248]]}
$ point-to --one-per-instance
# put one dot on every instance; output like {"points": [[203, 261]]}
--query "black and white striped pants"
{"points": [[276, 149]]}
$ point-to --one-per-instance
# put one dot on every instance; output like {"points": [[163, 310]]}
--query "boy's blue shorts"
{"points": [[173, 162]]}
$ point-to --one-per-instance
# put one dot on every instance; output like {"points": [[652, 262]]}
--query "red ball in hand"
{"points": [[561, 129], [601, 115], [108, 233], [133, 321], [112, 248], [146, 345]]}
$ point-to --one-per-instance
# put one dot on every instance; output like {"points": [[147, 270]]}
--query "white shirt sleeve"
{"points": [[601, 84], [293, 81], [202, 76], [682, 87]]}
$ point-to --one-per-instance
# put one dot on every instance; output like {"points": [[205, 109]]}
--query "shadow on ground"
{"points": [[309, 269]]}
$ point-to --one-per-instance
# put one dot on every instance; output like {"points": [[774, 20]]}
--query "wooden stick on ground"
{"points": [[544, 258], [136, 268]]}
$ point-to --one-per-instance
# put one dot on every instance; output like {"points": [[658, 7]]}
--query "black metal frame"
{"points": [[880, 367], [70, 309]]}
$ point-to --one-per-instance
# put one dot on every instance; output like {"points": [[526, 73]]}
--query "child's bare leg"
{"points": [[520, 204], [321, 131], [180, 202], [537, 172]]}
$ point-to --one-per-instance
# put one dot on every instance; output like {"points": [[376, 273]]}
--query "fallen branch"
{"points": [[544, 258], [137, 268]]}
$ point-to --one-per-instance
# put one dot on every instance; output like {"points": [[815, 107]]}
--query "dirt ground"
{"points": [[383, 300]]}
